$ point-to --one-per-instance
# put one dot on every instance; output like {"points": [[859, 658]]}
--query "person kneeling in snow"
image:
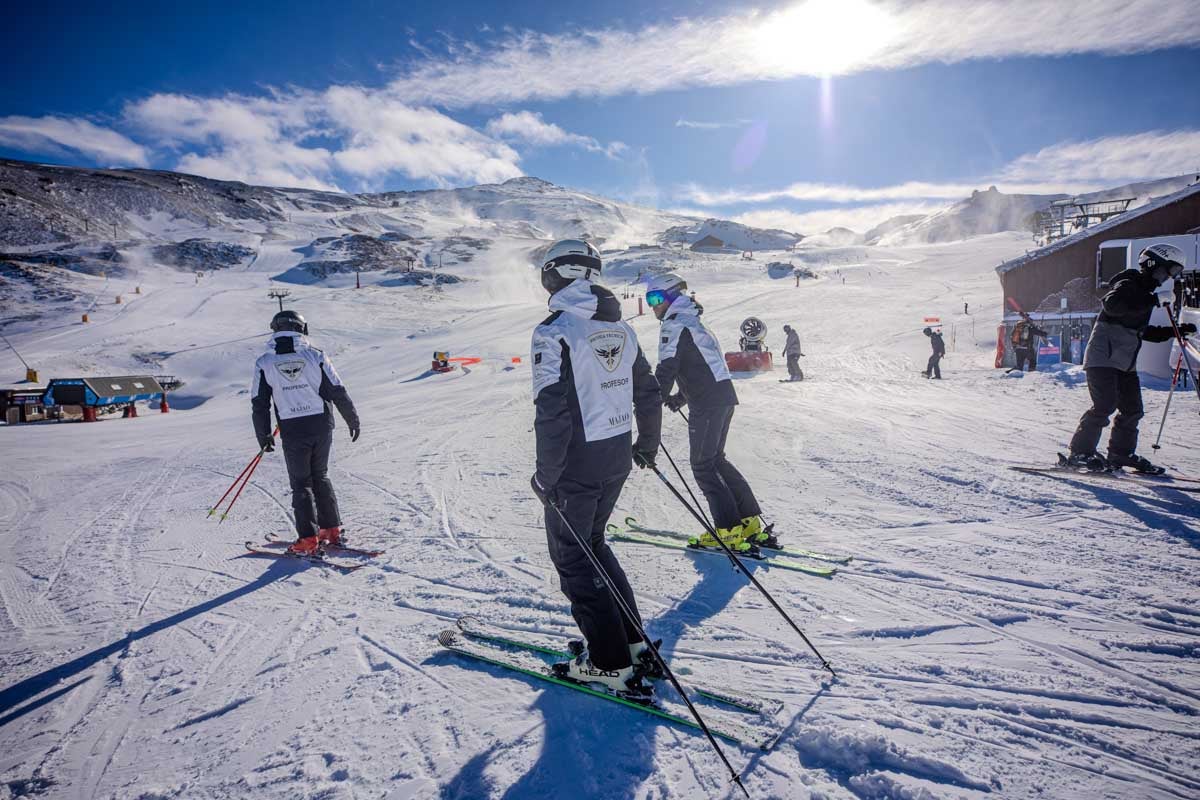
{"points": [[300, 382], [590, 379]]}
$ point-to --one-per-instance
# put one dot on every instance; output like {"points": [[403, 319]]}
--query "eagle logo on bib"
{"points": [[290, 369], [607, 345]]}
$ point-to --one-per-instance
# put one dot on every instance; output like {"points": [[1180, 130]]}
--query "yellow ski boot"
{"points": [[734, 538], [756, 532]]}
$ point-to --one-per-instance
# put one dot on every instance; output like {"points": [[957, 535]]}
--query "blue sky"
{"points": [[796, 114]]}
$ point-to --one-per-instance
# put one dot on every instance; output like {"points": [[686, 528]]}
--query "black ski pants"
{"points": [[793, 361], [934, 368], [306, 452], [587, 506], [1026, 355], [1111, 390], [730, 499]]}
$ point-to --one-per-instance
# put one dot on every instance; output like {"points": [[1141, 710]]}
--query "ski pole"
{"points": [[741, 566], [686, 485], [249, 475], [241, 475], [633, 620], [1170, 394], [1183, 345]]}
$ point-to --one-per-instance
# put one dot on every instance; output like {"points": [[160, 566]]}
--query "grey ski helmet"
{"points": [[289, 321]]}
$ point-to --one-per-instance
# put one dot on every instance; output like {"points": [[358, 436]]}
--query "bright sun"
{"points": [[822, 37]]}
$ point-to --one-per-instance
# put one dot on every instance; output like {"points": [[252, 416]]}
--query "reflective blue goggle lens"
{"points": [[656, 298]]}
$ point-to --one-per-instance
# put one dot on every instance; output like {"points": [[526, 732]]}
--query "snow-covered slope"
{"points": [[992, 211], [997, 635], [733, 235]]}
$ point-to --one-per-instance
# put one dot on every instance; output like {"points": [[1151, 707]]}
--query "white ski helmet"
{"points": [[1161, 261], [567, 260], [664, 288]]}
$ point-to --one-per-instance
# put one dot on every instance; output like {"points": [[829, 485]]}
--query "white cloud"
{"points": [[56, 134], [712, 126], [860, 219], [815, 38], [1112, 159], [1066, 167], [529, 127], [308, 139]]}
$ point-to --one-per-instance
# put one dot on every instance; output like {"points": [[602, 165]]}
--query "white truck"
{"points": [[1117, 255]]}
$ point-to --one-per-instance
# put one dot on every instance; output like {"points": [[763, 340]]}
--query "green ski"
{"points": [[528, 663], [477, 628], [635, 526], [621, 534]]}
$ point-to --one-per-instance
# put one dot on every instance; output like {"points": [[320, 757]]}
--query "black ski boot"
{"points": [[1084, 462], [1136, 463]]}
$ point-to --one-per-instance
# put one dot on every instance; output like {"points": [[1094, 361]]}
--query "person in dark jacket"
{"points": [[934, 368], [590, 380], [1110, 361], [302, 385], [690, 354], [792, 350], [1025, 339]]}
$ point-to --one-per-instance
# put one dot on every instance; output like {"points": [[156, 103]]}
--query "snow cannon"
{"points": [[441, 361], [754, 355]]}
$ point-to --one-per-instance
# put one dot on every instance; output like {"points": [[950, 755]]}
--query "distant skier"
{"points": [[1025, 341], [934, 368], [590, 379], [300, 382], [1110, 361], [690, 354], [793, 352]]}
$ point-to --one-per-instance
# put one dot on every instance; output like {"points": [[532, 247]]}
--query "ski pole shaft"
{"points": [[749, 575], [637, 625], [249, 475], [1170, 394], [1183, 346], [683, 480], [241, 475]]}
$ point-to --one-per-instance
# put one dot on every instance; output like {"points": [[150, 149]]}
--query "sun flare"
{"points": [[823, 37]]}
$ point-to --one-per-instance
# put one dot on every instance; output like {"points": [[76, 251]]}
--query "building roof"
{"points": [[1099, 228]]}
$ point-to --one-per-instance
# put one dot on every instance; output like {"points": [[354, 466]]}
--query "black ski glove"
{"points": [[644, 456], [354, 432], [675, 401], [1187, 328], [267, 443], [547, 494]]}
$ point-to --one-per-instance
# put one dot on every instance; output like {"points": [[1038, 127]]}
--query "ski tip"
{"points": [[630, 521], [612, 528], [467, 621]]}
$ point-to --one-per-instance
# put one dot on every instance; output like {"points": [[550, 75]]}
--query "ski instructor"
{"points": [[1110, 361], [300, 382], [590, 379], [690, 354]]}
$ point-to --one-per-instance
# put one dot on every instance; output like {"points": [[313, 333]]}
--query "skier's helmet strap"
{"points": [[289, 321]]}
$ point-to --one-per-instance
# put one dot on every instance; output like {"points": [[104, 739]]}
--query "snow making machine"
{"points": [[754, 355]]}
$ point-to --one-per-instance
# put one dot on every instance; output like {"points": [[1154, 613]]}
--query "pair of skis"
{"points": [[277, 548], [675, 540], [528, 654], [1116, 475]]}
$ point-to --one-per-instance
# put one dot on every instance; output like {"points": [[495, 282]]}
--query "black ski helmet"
{"points": [[289, 321], [928, 331]]}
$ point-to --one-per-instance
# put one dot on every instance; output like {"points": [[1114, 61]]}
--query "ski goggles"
{"points": [[656, 297]]}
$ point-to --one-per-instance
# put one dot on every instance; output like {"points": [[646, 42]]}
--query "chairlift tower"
{"points": [[278, 294]]}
